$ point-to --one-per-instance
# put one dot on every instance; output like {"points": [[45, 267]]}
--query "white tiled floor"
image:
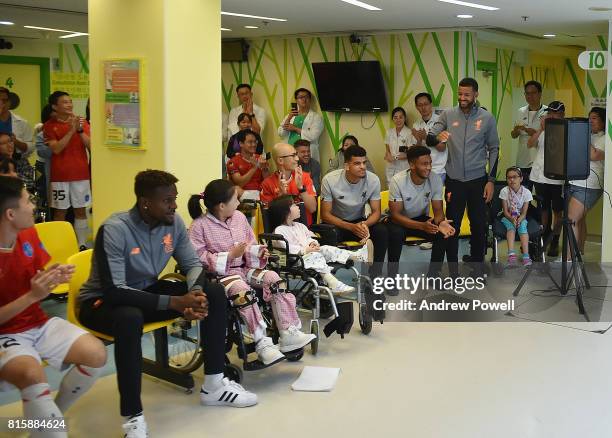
{"points": [[405, 379], [439, 380]]}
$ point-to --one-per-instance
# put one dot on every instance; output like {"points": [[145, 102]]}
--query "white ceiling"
{"points": [[571, 21]]}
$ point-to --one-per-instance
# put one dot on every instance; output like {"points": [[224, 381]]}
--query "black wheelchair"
{"points": [[310, 290]]}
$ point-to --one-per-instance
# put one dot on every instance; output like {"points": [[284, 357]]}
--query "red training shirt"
{"points": [[238, 164], [71, 163], [270, 189], [17, 267]]}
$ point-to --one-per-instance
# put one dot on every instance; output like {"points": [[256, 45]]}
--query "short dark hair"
{"points": [[353, 151], [399, 109], [147, 181], [601, 113], [349, 137], [54, 97], [242, 135], [301, 142], [243, 116], [5, 91], [533, 83], [239, 86], [10, 193], [302, 90], [469, 82], [5, 162], [418, 96], [416, 151]]}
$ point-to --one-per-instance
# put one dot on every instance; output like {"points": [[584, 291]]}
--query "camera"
{"points": [[404, 149]]}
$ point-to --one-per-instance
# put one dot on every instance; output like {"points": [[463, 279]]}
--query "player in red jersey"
{"points": [[67, 135], [27, 334]]}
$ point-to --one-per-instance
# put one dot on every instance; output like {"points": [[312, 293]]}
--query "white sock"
{"points": [[74, 384], [330, 280], [212, 382], [81, 228], [37, 403]]}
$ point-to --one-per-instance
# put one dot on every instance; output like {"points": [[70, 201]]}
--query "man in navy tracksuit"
{"points": [[470, 134], [123, 293]]}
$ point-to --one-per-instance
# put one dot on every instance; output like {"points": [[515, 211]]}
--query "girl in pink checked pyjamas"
{"points": [[226, 245]]}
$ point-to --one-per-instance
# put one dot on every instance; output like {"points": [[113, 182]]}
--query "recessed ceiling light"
{"points": [[73, 35], [234, 14], [600, 9], [549, 35], [228, 30], [51, 29], [362, 5], [470, 5], [465, 16], [7, 23], [251, 27]]}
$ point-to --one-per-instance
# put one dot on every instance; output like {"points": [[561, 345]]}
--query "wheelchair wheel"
{"points": [[365, 319], [233, 372], [184, 351], [314, 329]]}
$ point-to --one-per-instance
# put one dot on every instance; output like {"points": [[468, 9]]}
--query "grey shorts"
{"points": [[587, 197]]}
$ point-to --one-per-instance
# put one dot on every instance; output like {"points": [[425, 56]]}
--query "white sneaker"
{"points": [[229, 393], [426, 245], [268, 352], [135, 428], [342, 288], [292, 339]]}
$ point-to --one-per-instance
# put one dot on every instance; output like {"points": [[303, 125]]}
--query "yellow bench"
{"points": [[158, 368]]}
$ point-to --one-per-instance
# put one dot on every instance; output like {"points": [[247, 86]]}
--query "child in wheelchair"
{"points": [[283, 213], [515, 203], [226, 246]]}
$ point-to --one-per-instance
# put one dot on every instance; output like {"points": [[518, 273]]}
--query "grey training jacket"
{"points": [[473, 141]]}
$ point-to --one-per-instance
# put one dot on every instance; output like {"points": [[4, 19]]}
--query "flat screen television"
{"points": [[350, 86]]}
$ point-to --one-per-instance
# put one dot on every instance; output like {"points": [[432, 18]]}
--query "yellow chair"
{"points": [[158, 368], [60, 242], [384, 201]]}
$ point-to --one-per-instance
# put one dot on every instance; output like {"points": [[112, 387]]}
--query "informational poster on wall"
{"points": [[123, 79]]}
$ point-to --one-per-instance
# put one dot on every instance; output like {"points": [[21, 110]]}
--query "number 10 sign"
{"points": [[596, 60]]}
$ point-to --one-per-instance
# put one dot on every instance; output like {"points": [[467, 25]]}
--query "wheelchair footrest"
{"points": [[256, 365], [343, 323]]}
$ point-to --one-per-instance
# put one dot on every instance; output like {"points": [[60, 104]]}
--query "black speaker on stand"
{"points": [[567, 157]]}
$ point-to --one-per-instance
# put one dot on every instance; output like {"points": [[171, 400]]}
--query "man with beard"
{"points": [[470, 134], [123, 293], [410, 194]]}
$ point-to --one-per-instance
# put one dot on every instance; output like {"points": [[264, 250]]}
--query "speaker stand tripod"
{"points": [[576, 272]]}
